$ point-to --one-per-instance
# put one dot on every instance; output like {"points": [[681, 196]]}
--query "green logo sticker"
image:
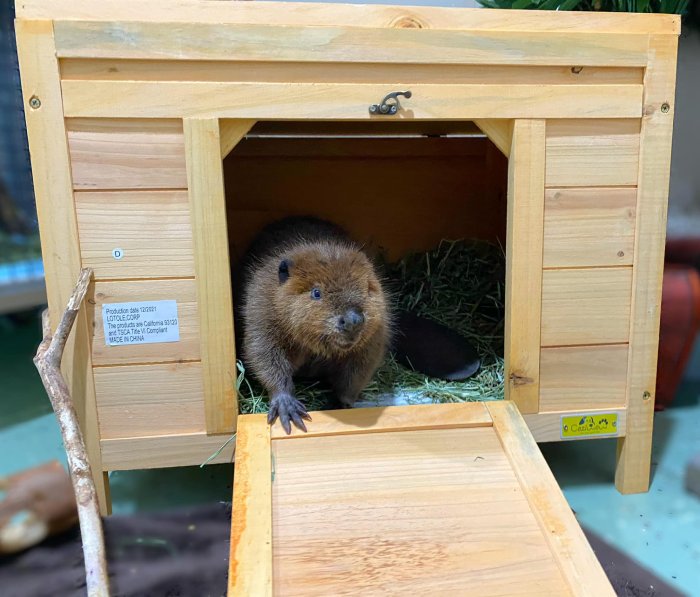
{"points": [[576, 426]]}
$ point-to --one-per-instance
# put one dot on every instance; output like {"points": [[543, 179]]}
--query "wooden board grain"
{"points": [[305, 14], [500, 132], [114, 69], [152, 229], [577, 562], [450, 189], [205, 178], [162, 451], [589, 226], [205, 41], [250, 562], [586, 306], [634, 451], [405, 512], [184, 291], [116, 153], [592, 153], [523, 302], [390, 418], [583, 377], [150, 400], [345, 101]]}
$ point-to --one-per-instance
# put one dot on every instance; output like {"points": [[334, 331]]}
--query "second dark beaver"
{"points": [[313, 305]]}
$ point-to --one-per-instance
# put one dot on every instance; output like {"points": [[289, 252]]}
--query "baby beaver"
{"points": [[312, 305]]}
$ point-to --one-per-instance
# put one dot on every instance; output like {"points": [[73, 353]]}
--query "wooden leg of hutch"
{"points": [[634, 450]]}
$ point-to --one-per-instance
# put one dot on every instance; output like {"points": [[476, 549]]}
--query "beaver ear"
{"points": [[283, 271]]}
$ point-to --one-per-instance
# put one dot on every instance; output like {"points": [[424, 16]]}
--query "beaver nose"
{"points": [[351, 320]]}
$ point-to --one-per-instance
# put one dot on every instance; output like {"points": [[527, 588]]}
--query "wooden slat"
{"points": [[208, 211], [341, 72], [578, 563], [183, 291], [250, 564], [524, 264], [583, 377], [367, 128], [126, 154], [305, 14], [586, 227], [428, 512], [206, 41], [166, 99], [152, 229], [390, 418], [232, 131], [634, 452], [500, 132], [162, 451], [596, 153], [546, 426], [586, 306], [57, 222], [142, 400]]}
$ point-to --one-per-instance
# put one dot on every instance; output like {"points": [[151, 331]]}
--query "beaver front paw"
{"points": [[287, 408]]}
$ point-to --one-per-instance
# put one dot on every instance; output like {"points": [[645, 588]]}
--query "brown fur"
{"points": [[288, 332]]}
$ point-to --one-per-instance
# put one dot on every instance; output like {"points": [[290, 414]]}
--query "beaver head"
{"points": [[329, 298]]}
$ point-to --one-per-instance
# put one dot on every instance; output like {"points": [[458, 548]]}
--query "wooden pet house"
{"points": [[164, 134]]}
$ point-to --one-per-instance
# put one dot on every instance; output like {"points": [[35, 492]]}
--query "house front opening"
{"points": [[428, 203]]}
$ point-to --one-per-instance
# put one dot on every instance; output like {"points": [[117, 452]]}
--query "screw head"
{"points": [[373, 108], [665, 108], [393, 109], [34, 102], [620, 253], [646, 395], [576, 69]]}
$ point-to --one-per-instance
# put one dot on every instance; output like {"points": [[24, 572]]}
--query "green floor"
{"points": [[661, 528]]}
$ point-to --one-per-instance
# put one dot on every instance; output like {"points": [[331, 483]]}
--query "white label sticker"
{"points": [[144, 322]]}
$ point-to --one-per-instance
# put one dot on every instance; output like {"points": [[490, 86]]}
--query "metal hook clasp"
{"points": [[389, 105]]}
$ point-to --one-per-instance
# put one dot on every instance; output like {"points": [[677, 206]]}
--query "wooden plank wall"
{"points": [[589, 223], [130, 189]]}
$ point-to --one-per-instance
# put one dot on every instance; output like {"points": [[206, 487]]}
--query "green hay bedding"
{"points": [[460, 284]]}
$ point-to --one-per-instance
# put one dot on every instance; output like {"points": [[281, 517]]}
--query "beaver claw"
{"points": [[289, 410]]}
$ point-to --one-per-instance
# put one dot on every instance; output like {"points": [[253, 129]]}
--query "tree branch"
{"points": [[48, 363]]}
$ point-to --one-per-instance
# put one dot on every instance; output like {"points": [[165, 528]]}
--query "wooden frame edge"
{"points": [[250, 566], [205, 180], [388, 419], [577, 562], [524, 258], [499, 132], [332, 14], [632, 473]]}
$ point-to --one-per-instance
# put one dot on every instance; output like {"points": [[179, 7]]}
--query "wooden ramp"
{"points": [[428, 500]]}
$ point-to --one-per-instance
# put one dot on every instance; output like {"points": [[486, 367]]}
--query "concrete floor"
{"points": [[660, 529]]}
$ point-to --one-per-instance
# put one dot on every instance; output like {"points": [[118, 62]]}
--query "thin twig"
{"points": [[48, 362]]}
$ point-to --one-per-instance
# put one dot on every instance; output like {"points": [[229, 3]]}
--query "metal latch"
{"points": [[390, 104]]}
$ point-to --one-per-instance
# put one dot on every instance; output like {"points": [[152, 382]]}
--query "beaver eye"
{"points": [[316, 294]]}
